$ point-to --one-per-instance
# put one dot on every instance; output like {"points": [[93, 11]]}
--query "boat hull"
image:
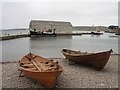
{"points": [[96, 33], [46, 79], [42, 34], [97, 60], [41, 69]]}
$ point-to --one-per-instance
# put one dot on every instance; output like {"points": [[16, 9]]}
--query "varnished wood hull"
{"points": [[46, 78], [98, 60]]}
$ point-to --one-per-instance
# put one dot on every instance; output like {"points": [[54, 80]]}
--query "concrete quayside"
{"points": [[8, 37]]}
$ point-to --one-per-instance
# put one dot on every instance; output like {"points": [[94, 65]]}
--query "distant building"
{"points": [[112, 29], [52, 26]]}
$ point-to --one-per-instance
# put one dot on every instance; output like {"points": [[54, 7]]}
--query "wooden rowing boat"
{"points": [[43, 70], [98, 60]]}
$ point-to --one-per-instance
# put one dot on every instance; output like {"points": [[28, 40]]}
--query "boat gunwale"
{"points": [[46, 77], [79, 55], [60, 69], [37, 71]]}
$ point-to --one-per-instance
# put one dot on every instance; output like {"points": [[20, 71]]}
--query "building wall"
{"points": [[60, 27]]}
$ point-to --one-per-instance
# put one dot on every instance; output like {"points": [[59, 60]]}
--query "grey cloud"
{"points": [[18, 14]]}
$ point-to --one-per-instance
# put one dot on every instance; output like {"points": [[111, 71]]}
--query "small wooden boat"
{"points": [[40, 69], [98, 60]]}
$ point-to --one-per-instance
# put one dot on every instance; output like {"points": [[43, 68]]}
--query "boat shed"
{"points": [[53, 26]]}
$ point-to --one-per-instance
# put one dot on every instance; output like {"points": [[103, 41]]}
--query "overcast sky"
{"points": [[19, 14]]}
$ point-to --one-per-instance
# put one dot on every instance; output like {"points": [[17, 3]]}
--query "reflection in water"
{"points": [[96, 36], [49, 37], [13, 50], [50, 46], [94, 43]]}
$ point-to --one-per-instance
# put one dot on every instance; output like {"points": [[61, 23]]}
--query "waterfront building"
{"points": [[50, 26]]}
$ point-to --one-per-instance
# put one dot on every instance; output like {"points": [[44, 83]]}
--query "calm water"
{"points": [[13, 50]]}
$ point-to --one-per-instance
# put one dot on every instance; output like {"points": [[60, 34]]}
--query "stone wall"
{"points": [[58, 26]]}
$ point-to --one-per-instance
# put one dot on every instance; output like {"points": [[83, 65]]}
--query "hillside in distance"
{"points": [[89, 28]]}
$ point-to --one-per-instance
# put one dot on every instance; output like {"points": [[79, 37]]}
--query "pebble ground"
{"points": [[73, 76]]}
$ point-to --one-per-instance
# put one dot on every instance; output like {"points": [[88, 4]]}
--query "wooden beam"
{"points": [[39, 68]]}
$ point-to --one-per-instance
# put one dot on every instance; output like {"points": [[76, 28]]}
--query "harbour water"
{"points": [[50, 47]]}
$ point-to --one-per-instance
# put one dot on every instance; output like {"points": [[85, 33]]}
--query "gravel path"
{"points": [[73, 76]]}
